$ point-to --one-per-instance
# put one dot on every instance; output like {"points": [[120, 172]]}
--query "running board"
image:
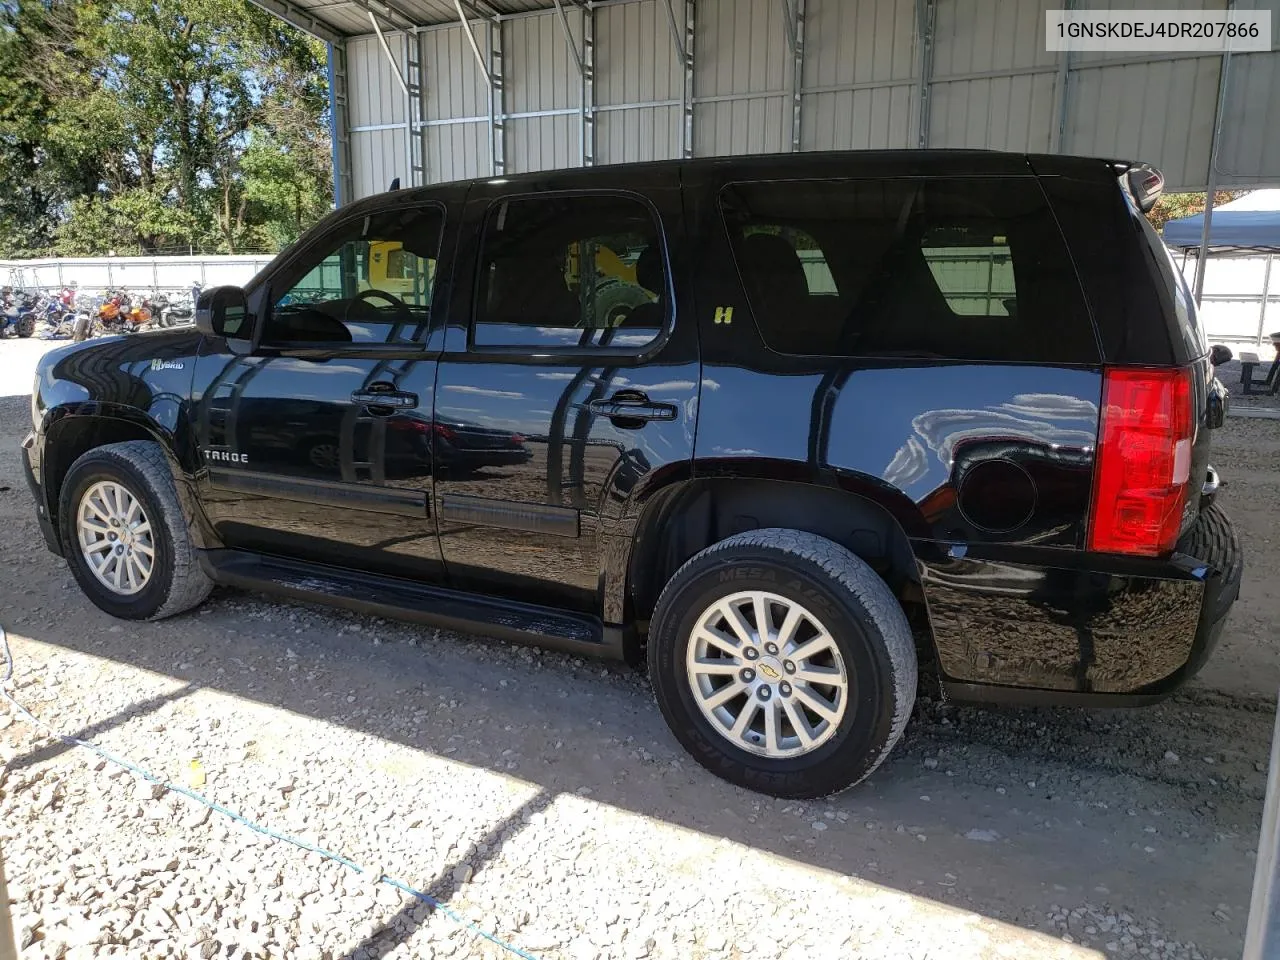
{"points": [[407, 600]]}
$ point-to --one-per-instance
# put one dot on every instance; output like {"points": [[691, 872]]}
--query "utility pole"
{"points": [[8, 949], [1262, 936]]}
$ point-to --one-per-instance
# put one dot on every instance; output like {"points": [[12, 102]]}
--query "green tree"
{"points": [[146, 125], [39, 176]]}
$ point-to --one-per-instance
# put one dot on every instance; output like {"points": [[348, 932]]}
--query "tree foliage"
{"points": [[1175, 206], [158, 125]]}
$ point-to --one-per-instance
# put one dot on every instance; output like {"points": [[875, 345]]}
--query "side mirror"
{"points": [[224, 312], [1219, 354]]}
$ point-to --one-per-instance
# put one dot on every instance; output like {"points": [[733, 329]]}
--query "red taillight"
{"points": [[1143, 464], [443, 432], [517, 438]]}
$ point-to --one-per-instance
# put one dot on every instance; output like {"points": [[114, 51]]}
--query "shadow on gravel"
{"points": [[998, 812], [400, 927], [57, 747]]}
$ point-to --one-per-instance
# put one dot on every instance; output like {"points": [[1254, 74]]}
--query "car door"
{"points": [[568, 385], [319, 444]]}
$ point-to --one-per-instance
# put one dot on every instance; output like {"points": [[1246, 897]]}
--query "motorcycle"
{"points": [[174, 312], [119, 313], [57, 316], [18, 314]]}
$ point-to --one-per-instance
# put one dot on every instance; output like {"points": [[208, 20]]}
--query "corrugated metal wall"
{"points": [[867, 80], [639, 79]]}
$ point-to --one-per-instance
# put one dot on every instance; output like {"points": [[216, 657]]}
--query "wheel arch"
{"points": [[71, 433], [687, 516]]}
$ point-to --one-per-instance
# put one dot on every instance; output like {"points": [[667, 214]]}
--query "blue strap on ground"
{"points": [[259, 828]]}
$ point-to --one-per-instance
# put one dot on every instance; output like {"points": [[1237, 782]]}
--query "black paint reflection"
{"points": [[276, 421], [907, 435], [577, 461], [1059, 629]]}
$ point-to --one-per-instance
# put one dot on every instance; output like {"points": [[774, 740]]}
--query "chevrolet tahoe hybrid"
{"points": [[789, 429]]}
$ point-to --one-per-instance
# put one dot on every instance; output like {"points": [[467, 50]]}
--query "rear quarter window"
{"points": [[1141, 307], [964, 268], [1174, 283]]}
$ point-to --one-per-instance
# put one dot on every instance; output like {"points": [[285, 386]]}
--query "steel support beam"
{"points": [[497, 102], [390, 11], [300, 18], [386, 52], [8, 945], [675, 31], [687, 51], [481, 62], [339, 127], [926, 11], [588, 86], [483, 11], [415, 133], [1262, 934], [1266, 295], [793, 16], [568, 38], [1059, 134], [1215, 137]]}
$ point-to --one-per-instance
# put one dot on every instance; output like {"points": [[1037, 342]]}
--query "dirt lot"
{"points": [[542, 796]]}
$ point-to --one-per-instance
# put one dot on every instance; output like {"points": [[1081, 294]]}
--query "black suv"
{"points": [[856, 414]]}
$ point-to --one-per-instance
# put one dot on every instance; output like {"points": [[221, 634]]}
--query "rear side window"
{"points": [[571, 272], [953, 268], [817, 274], [1142, 310], [1172, 280]]}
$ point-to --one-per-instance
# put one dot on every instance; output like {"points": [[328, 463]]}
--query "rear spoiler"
{"points": [[1143, 182]]}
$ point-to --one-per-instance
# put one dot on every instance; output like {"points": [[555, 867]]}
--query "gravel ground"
{"points": [[1229, 374], [541, 797]]}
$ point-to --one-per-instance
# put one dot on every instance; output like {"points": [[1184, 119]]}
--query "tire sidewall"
{"points": [[867, 726], [87, 471]]}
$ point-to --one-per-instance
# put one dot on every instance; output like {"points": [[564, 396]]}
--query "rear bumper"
{"points": [[1052, 626], [30, 462], [1212, 544]]}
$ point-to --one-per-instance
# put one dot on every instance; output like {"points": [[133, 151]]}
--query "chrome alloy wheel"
{"points": [[116, 540], [767, 674]]}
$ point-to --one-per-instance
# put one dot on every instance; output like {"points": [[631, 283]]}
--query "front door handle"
{"points": [[385, 398], [632, 405]]}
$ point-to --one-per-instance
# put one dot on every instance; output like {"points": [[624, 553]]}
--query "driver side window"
{"points": [[370, 283]]}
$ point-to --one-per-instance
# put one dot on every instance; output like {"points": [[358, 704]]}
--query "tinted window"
{"points": [[370, 283], [817, 275], [1172, 279], [1133, 310], [568, 272], [964, 268]]}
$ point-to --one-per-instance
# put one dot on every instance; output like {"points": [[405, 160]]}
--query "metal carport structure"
{"points": [[437, 90]]}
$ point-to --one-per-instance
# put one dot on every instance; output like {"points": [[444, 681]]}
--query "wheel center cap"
{"points": [[770, 669]]}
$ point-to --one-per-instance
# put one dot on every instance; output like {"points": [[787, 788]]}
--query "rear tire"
{"points": [[837, 641], [26, 325], [172, 581], [80, 331]]}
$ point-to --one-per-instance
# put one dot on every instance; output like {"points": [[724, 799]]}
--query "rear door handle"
{"points": [[385, 398], [632, 405]]}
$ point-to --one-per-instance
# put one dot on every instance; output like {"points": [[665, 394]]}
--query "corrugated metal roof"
{"points": [[351, 17]]}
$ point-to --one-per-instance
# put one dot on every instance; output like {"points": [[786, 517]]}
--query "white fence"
{"points": [[170, 274], [1233, 308], [1241, 301]]}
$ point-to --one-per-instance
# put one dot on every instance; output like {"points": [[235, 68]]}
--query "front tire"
{"points": [[808, 706], [26, 325], [125, 536]]}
